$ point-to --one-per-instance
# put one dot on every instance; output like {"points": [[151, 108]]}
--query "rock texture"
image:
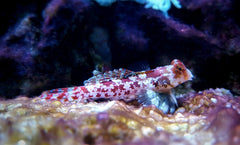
{"points": [[206, 117]]}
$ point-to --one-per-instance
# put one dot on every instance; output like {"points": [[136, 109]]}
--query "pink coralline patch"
{"points": [[210, 100], [222, 112]]}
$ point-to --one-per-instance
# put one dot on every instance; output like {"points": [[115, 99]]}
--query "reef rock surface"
{"points": [[51, 44], [206, 117]]}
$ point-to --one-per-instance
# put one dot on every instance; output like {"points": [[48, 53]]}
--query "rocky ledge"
{"points": [[205, 117]]}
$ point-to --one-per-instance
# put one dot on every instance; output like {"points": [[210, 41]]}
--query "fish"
{"points": [[122, 84]]}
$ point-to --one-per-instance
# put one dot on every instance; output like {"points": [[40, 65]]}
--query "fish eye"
{"points": [[180, 68]]}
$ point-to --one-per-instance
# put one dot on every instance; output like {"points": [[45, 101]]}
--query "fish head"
{"points": [[180, 73], [170, 76]]}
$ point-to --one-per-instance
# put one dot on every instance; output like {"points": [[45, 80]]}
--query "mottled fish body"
{"points": [[124, 84]]}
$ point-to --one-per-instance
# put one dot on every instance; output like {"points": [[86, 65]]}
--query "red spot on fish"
{"points": [[98, 95], [104, 90], [74, 97], [115, 88], [75, 88], [136, 84], [106, 95], [84, 89], [132, 86], [49, 96], [149, 72], [90, 96], [60, 96], [121, 87], [127, 92], [75, 93], [83, 95], [108, 83]]}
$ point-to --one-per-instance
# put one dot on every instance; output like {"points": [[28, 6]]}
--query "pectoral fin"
{"points": [[165, 102]]}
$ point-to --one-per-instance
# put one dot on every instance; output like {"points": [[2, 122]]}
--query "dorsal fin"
{"points": [[110, 75]]}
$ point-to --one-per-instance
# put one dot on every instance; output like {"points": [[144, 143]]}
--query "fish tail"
{"points": [[64, 94]]}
